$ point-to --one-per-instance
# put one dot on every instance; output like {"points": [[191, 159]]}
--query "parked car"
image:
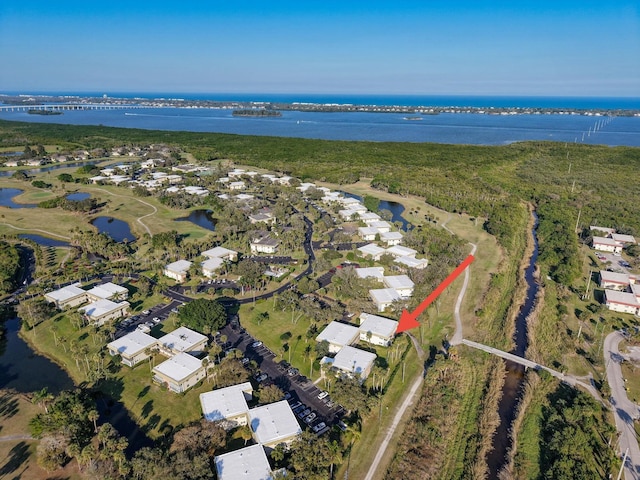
{"points": [[287, 395], [310, 418], [295, 405], [256, 344], [245, 361], [321, 395], [342, 426], [146, 312], [304, 413], [319, 427], [262, 378], [156, 320]]}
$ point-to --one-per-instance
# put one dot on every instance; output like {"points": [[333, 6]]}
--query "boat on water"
{"points": [[412, 118]]}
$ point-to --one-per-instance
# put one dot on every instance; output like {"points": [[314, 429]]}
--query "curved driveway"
{"points": [[625, 411]]}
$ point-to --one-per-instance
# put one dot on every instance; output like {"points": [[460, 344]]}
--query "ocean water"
{"points": [[452, 128]]}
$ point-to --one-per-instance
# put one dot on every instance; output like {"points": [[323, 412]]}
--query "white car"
{"points": [[321, 395], [256, 344]]}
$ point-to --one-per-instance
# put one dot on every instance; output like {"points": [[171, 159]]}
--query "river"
{"points": [[508, 406]]}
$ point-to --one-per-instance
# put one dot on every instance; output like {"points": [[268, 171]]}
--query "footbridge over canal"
{"points": [[568, 379]]}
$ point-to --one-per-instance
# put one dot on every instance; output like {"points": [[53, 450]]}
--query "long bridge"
{"points": [[68, 106], [568, 379]]}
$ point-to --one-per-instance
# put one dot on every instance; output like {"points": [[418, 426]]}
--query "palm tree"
{"points": [[335, 456], [149, 353], [93, 415], [42, 398]]}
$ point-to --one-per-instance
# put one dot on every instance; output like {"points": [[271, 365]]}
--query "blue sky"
{"points": [[478, 47]]}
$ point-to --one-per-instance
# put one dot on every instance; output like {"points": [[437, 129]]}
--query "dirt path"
{"points": [[36, 230]]}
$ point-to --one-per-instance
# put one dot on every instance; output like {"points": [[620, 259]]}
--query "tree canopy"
{"points": [[203, 315]]}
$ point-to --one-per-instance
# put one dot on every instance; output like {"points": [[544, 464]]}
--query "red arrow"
{"points": [[408, 320]]}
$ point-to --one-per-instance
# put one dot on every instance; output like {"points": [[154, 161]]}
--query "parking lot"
{"points": [[301, 390]]}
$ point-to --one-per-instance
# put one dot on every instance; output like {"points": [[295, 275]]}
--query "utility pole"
{"points": [[578, 220], [624, 459]]}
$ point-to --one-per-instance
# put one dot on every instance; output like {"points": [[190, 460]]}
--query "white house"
{"points": [[384, 297], [237, 185], [248, 463], [606, 245], [400, 283], [338, 335], [616, 281], [400, 251], [381, 225], [354, 362], [412, 262], [273, 424], [108, 291], [179, 373], [391, 238], [624, 302], [371, 272], [210, 266], [377, 330], [178, 270], [372, 250], [369, 217], [132, 347], [67, 297], [180, 340], [228, 405], [221, 252], [623, 239], [368, 233], [264, 245], [104, 310]]}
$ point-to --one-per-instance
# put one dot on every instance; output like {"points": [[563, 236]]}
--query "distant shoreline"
{"points": [[338, 103]]}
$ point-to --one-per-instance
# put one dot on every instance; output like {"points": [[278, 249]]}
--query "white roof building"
{"points": [[108, 291], [338, 335], [381, 225], [180, 372], [400, 283], [377, 330], [354, 362], [210, 266], [132, 347], [227, 404], [248, 463], [606, 244], [615, 280], [273, 423], [622, 238], [182, 339], [412, 262], [369, 217], [384, 297], [400, 251], [624, 302], [372, 250], [371, 272], [602, 229], [69, 296], [368, 233], [104, 310], [178, 270], [221, 252], [391, 238]]}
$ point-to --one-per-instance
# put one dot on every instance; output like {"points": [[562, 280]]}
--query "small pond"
{"points": [[78, 196], [116, 229], [395, 208], [6, 198], [24, 370], [43, 241], [202, 218]]}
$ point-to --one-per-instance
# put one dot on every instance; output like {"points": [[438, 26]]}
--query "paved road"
{"points": [[625, 411]]}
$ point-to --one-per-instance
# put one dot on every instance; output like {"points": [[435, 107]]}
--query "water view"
{"points": [[202, 218], [7, 195], [118, 230], [78, 196], [43, 241]]}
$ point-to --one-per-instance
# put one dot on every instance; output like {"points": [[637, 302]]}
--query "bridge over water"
{"points": [[68, 106], [568, 379]]}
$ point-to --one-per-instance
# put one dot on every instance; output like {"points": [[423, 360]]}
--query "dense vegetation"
{"points": [[203, 315], [9, 266]]}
